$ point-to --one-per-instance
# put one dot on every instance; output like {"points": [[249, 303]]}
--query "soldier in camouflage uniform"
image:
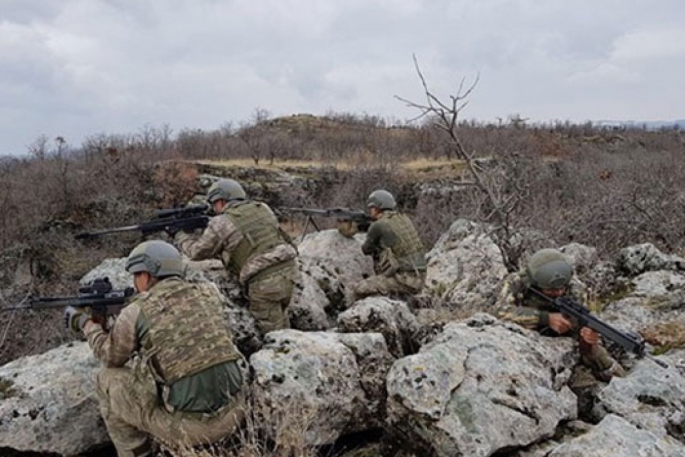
{"points": [[185, 387], [397, 251], [548, 271], [247, 238]]}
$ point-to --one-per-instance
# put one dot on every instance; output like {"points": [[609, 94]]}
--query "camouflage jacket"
{"points": [[395, 246], [206, 390], [516, 304], [221, 238]]}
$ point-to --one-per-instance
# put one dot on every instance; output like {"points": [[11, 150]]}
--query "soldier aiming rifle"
{"points": [[97, 298]]}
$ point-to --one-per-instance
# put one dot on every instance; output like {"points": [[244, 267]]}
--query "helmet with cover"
{"points": [[225, 189], [381, 199], [156, 257], [549, 269]]}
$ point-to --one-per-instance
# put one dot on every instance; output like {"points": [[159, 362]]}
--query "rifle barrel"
{"points": [[86, 235]]}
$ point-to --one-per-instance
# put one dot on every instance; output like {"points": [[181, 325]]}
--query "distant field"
{"points": [[413, 166]]}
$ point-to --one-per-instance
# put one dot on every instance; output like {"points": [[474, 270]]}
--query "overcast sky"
{"points": [[79, 67]]}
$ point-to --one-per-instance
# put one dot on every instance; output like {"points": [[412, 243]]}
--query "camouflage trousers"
{"points": [[269, 298], [403, 283], [595, 357], [132, 414]]}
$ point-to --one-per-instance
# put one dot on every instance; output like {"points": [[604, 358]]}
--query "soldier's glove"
{"points": [[75, 319]]}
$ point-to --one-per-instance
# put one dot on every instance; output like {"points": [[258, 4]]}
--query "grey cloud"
{"points": [[74, 67]]}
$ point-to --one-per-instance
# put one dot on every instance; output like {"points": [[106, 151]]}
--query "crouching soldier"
{"points": [[549, 272], [178, 331], [397, 251], [247, 238]]}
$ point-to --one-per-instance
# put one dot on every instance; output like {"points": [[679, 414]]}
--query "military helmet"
{"points": [[157, 257], [549, 269], [225, 189], [381, 199]]}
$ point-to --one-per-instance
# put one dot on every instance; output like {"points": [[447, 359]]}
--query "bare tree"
{"points": [[500, 185], [253, 133]]}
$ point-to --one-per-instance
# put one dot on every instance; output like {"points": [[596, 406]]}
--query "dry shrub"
{"points": [[289, 429], [174, 183]]}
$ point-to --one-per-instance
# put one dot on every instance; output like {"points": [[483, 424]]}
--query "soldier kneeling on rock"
{"points": [[185, 388], [397, 251], [549, 272]]}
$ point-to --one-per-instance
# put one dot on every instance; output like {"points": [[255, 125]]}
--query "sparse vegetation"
{"points": [[604, 187]]}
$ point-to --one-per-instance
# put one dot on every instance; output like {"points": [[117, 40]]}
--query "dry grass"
{"points": [[423, 168], [425, 164], [284, 434], [276, 165]]}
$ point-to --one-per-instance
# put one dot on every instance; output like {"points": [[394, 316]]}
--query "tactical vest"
{"points": [[408, 248], [187, 331], [260, 231]]}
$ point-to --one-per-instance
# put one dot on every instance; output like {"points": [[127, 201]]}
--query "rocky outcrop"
{"points": [[629, 313], [651, 398], [657, 283], [48, 402], [646, 257], [329, 264], [308, 305], [615, 436], [114, 269], [391, 318], [582, 257], [465, 267], [481, 387], [342, 255], [322, 384], [653, 308]]}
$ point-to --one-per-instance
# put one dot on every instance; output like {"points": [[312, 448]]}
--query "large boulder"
{"points": [[48, 402], [615, 436], [650, 397], [657, 283], [465, 267], [114, 269], [647, 257], [391, 318], [582, 257], [481, 387], [329, 264], [328, 384], [307, 308], [309, 302], [630, 313], [342, 255], [654, 309]]}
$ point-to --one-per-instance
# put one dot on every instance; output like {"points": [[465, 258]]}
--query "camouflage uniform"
{"points": [[399, 258], [516, 304], [248, 240], [185, 388]]}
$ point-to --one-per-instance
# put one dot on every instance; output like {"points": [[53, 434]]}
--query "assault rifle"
{"points": [[187, 218], [98, 296], [580, 314], [360, 218]]}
